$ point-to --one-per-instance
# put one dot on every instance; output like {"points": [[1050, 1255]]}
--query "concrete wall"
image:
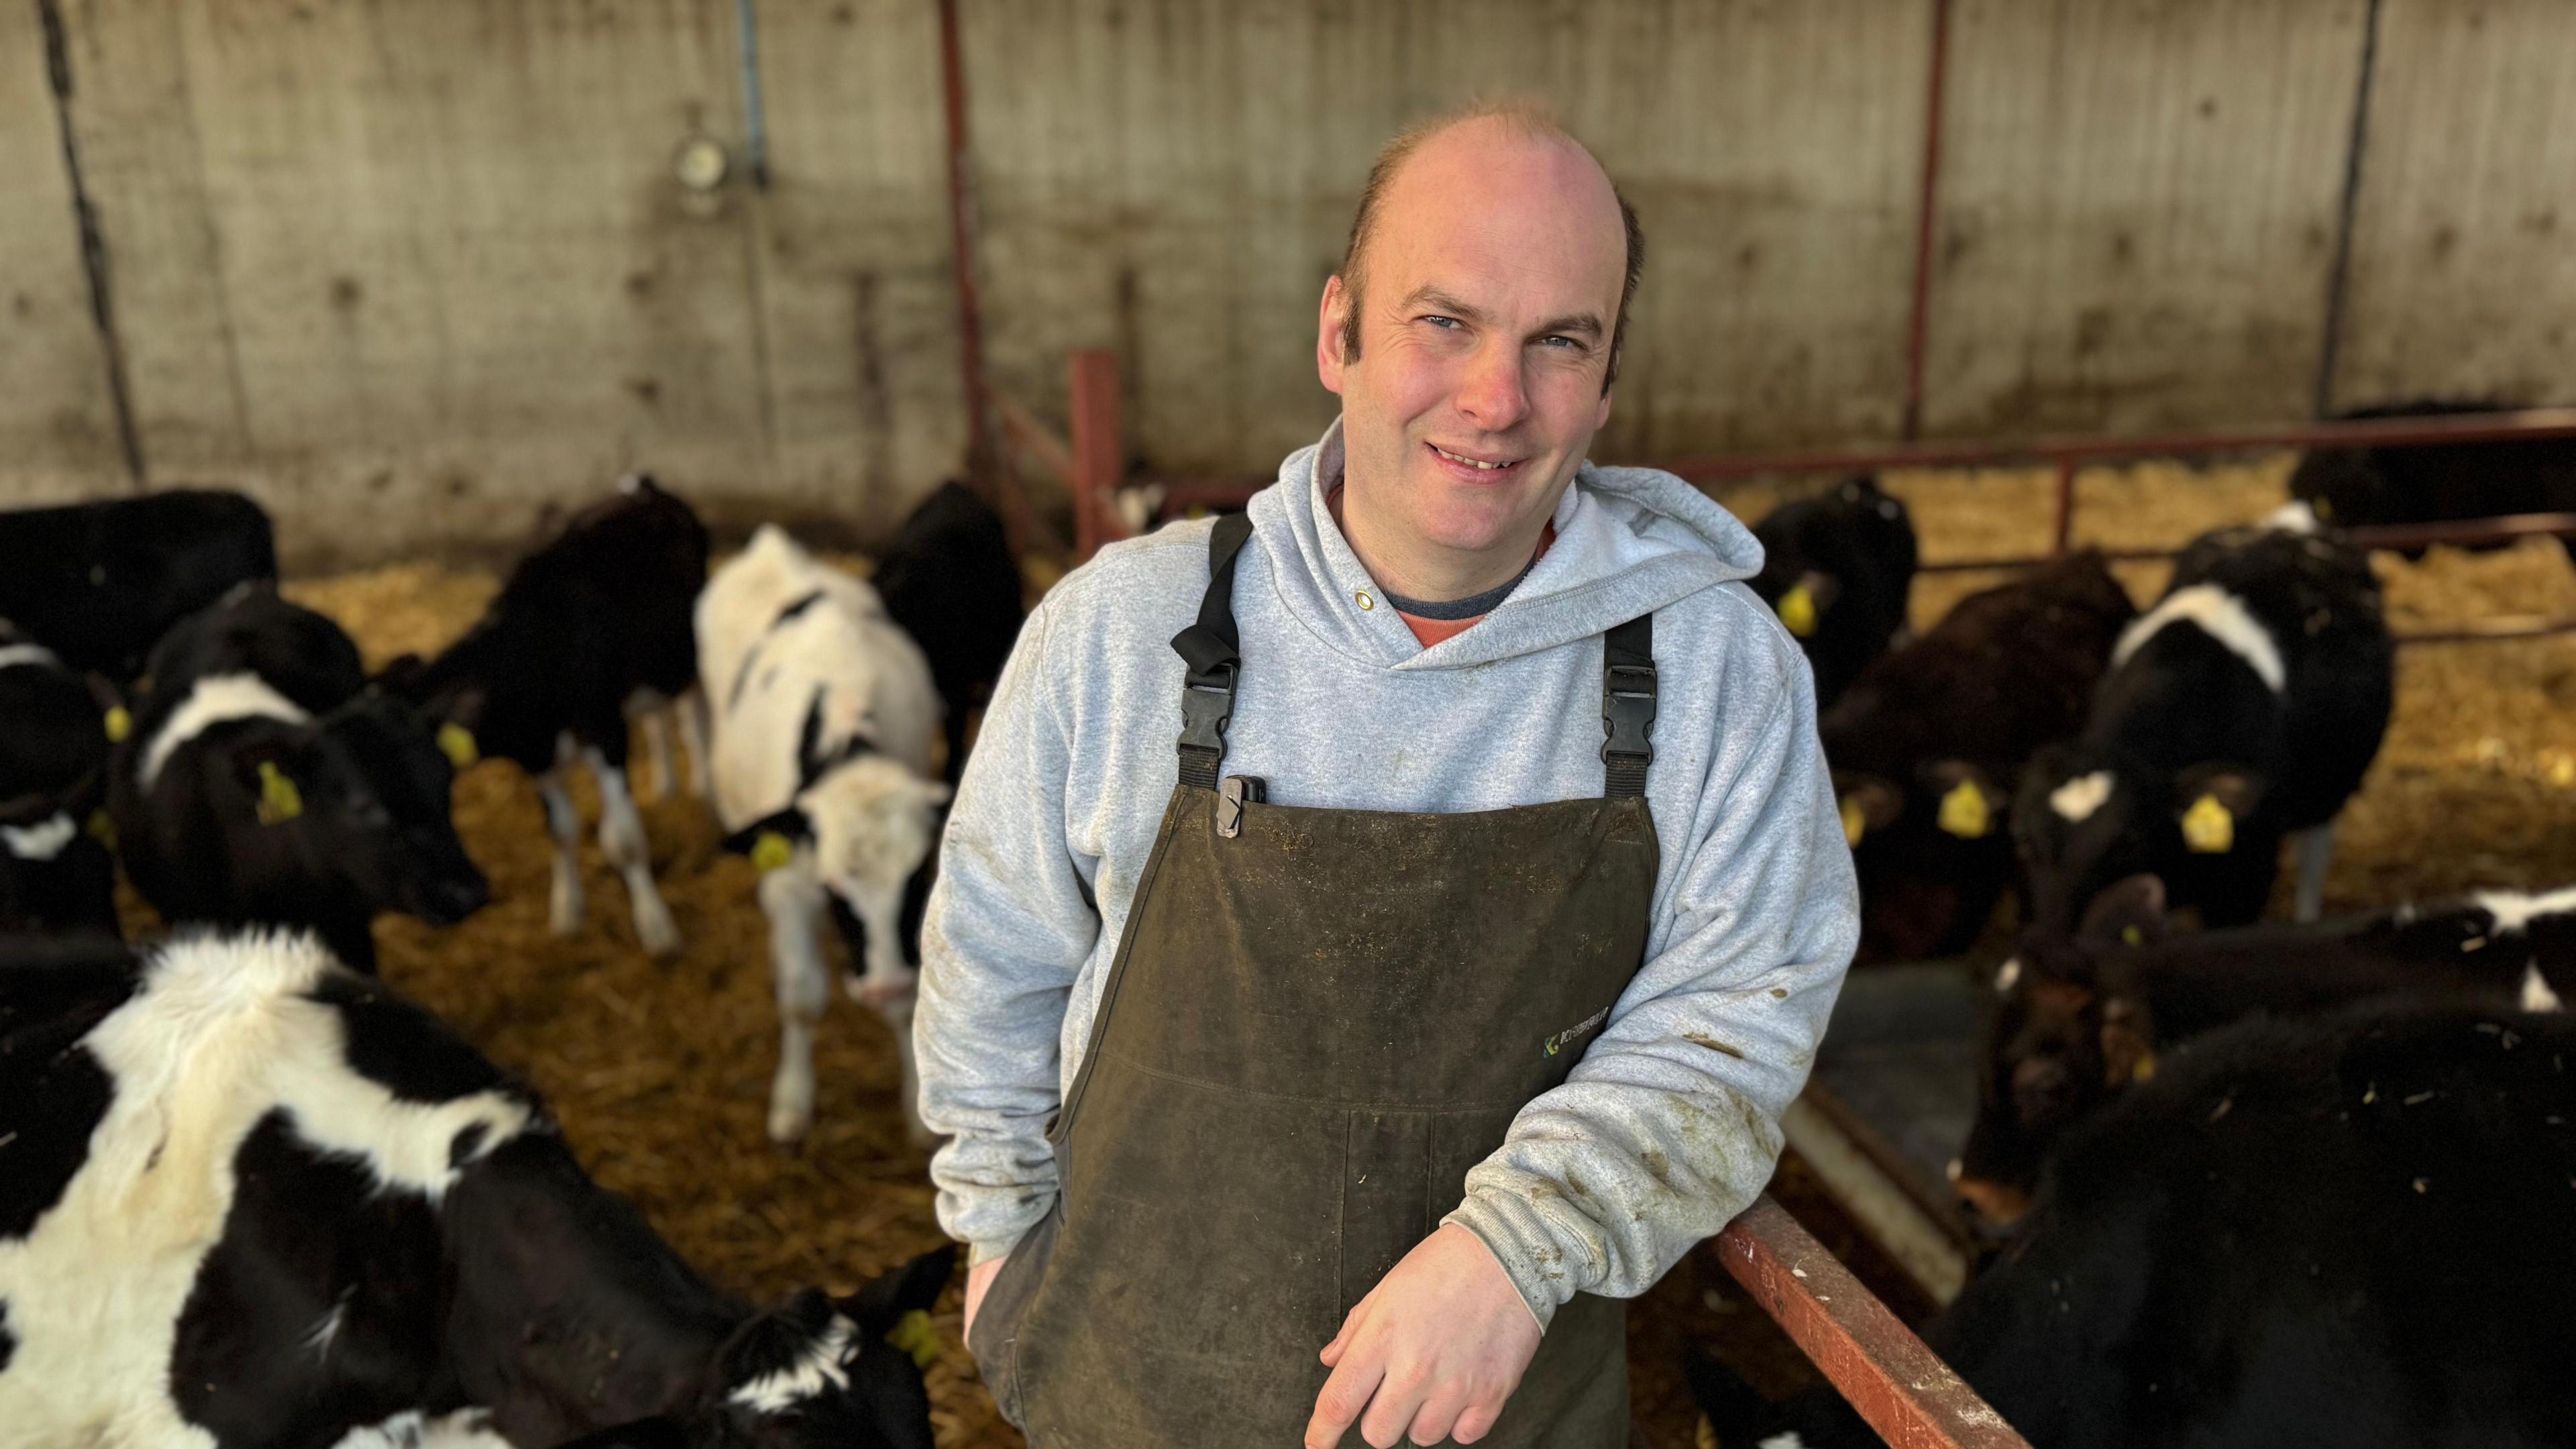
{"points": [[418, 271]]}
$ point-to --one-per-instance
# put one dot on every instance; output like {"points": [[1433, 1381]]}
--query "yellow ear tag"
{"points": [[102, 828], [915, 1335], [1965, 813], [279, 800], [1854, 826], [770, 851], [2132, 936], [2321, 508], [120, 723], [1798, 611], [2207, 828], [457, 743], [2145, 1070]]}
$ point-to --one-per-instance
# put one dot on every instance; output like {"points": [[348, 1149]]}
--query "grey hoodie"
{"points": [[1669, 1124]]}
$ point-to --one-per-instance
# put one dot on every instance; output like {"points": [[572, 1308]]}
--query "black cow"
{"points": [[100, 583], [950, 581], [334, 1222], [1926, 742], [2082, 1021], [1837, 568], [55, 874], [2346, 1231], [265, 782], [2244, 706], [593, 625], [2437, 482]]}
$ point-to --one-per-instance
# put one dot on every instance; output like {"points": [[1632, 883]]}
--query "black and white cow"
{"points": [[2081, 1021], [590, 627], [100, 583], [824, 711], [2436, 482], [2244, 706], [950, 581], [1837, 568], [2346, 1231], [1926, 743], [251, 1200], [55, 873], [266, 783]]}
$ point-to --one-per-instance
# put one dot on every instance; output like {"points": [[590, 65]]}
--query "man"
{"points": [[1337, 1006]]}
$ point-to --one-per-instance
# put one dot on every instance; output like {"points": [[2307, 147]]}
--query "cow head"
{"points": [[2071, 1033], [364, 794], [2345, 487], [874, 823], [816, 1373]]}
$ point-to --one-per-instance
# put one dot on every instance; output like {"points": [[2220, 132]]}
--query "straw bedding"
{"points": [[660, 1073]]}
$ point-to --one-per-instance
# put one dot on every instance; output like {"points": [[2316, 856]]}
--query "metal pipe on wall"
{"points": [[1927, 221]]}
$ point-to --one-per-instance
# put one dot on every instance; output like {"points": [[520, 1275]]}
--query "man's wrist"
{"points": [[1520, 1243]]}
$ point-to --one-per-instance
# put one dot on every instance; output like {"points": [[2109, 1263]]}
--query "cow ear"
{"points": [[911, 1288], [2129, 912], [1868, 805], [1971, 801]]}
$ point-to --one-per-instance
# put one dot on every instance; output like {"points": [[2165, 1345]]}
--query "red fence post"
{"points": [[1099, 454], [1897, 1384]]}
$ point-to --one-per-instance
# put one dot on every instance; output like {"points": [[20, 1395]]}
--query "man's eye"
{"points": [[1562, 342], [1444, 323]]}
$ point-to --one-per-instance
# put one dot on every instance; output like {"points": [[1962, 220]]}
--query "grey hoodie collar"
{"points": [[1628, 541]]}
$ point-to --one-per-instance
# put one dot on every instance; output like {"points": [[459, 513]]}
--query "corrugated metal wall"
{"points": [[418, 271]]}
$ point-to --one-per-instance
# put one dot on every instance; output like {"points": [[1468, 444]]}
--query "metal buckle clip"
{"points": [[1628, 711], [1232, 794]]}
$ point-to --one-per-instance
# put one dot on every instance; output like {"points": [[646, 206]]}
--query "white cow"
{"points": [[824, 712]]}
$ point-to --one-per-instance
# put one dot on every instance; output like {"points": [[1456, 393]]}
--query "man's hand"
{"points": [[979, 1281], [1432, 1352]]}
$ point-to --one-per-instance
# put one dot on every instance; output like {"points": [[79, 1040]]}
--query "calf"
{"points": [[2366, 487], [2346, 1231], [265, 782], [2082, 1021], [591, 625], [55, 873], [254, 1200], [100, 583], [2245, 705], [1925, 742], [1837, 569], [824, 710], [950, 581]]}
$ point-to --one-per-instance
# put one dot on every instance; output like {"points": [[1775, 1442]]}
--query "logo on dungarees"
{"points": [[1567, 1037]]}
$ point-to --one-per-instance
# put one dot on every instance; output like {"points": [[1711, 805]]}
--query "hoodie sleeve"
{"points": [[1670, 1124], [1008, 927]]}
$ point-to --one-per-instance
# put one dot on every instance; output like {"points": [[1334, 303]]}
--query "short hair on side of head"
{"points": [[1526, 117]]}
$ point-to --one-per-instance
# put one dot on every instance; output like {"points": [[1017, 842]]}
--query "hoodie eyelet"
{"points": [[1365, 601]]}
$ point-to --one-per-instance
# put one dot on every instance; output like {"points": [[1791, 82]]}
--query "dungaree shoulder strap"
{"points": [[1627, 706], [1214, 653]]}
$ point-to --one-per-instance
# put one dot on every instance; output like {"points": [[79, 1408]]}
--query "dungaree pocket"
{"points": [[1005, 1311]]}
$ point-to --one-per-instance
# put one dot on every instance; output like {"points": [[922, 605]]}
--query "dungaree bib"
{"points": [[1316, 1023]]}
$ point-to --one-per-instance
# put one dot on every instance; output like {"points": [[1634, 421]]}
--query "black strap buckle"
{"points": [[1628, 712], [1207, 705]]}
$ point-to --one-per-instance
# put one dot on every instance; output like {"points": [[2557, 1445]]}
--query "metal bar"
{"points": [[755, 125], [1895, 1383], [2459, 531], [1041, 442], [961, 242], [2530, 423], [93, 242], [2065, 502], [2356, 149], [1879, 1204], [1099, 454], [1926, 220]]}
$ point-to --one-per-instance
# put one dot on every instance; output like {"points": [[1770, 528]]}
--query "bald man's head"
{"points": [[1514, 125]]}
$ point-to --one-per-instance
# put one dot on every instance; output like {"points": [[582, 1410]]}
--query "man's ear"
{"points": [[1329, 320]]}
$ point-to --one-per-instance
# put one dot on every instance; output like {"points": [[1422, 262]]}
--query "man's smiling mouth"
{"points": [[1476, 463]]}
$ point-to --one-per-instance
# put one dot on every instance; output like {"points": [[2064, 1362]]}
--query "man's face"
{"points": [[1490, 287]]}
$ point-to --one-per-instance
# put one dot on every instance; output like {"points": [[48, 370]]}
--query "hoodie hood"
{"points": [[1628, 542]]}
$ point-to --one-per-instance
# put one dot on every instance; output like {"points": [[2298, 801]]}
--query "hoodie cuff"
{"points": [[978, 1254], [1541, 1266]]}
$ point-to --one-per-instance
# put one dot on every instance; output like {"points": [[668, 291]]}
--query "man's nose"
{"points": [[1493, 396]]}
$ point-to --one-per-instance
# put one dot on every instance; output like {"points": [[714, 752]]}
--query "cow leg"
{"points": [[885, 984], [564, 905], [652, 714], [2316, 852], [793, 900], [621, 838], [695, 727]]}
